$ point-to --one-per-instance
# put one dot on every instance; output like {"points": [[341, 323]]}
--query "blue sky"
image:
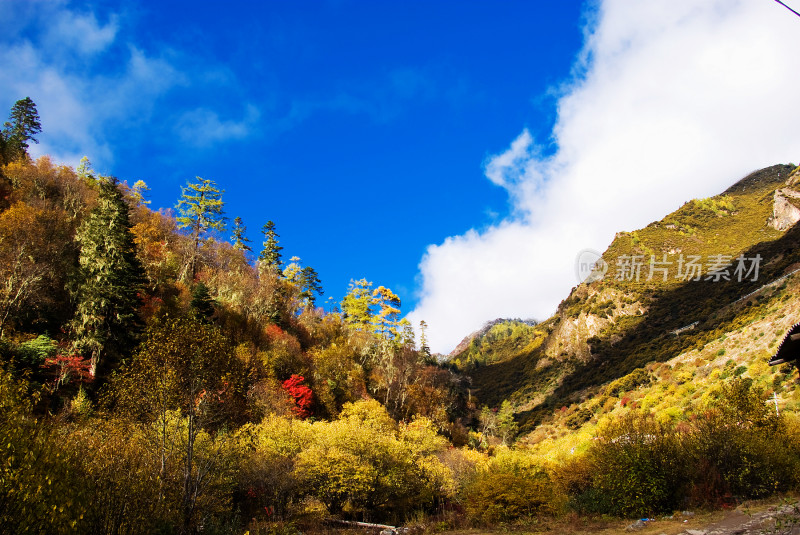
{"points": [[359, 127], [459, 152]]}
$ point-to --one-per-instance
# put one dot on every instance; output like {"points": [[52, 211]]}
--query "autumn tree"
{"points": [[38, 491], [186, 382], [200, 211], [118, 478], [270, 257], [22, 126], [35, 254], [45, 185], [155, 235], [505, 423], [488, 420], [385, 321], [138, 192], [267, 475], [357, 305], [109, 280], [364, 459], [303, 395]]}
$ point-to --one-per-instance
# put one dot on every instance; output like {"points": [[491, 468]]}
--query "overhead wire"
{"points": [[787, 7]]}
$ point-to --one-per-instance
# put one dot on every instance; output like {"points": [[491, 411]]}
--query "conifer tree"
{"points": [[270, 256], [200, 211], [109, 280], [138, 192], [506, 424], [424, 348], [407, 337], [22, 125], [240, 240], [202, 304], [310, 285]]}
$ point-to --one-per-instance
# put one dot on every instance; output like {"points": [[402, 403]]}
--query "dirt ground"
{"points": [[753, 518]]}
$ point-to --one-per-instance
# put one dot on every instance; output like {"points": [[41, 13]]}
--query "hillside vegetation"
{"points": [[608, 328], [160, 374]]}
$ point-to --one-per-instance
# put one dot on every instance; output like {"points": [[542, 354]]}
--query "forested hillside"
{"points": [[156, 376], [653, 372], [159, 373]]}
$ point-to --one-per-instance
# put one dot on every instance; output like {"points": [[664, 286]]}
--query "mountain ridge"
{"points": [[606, 329]]}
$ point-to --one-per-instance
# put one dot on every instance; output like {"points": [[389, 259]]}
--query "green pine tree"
{"points": [[202, 304], [270, 257], [22, 126], [506, 424], [200, 211], [310, 285], [424, 348], [110, 278], [240, 240]]}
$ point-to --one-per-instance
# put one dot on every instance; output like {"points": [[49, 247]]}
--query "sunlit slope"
{"points": [[644, 310]]}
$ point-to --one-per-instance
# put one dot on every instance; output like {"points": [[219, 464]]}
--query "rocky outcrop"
{"points": [[785, 212]]}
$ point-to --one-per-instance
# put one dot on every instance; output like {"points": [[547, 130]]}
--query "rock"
{"points": [[784, 213], [639, 524], [695, 532]]}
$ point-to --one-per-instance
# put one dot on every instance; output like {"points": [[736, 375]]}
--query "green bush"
{"points": [[740, 447], [638, 467], [34, 352], [736, 448], [636, 378]]}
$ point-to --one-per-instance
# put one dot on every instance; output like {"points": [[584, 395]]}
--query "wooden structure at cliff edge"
{"points": [[789, 350]]}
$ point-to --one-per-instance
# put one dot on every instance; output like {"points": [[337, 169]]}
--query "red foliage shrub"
{"points": [[66, 368], [302, 394], [273, 332]]}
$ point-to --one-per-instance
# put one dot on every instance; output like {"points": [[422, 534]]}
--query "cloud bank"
{"points": [[671, 100]]}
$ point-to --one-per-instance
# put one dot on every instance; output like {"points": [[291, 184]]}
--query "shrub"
{"points": [[504, 497], [266, 476], [637, 466], [512, 486], [364, 462], [36, 351], [636, 378], [740, 447]]}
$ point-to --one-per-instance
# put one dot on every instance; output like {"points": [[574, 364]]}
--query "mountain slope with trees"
{"points": [[156, 377], [644, 309]]}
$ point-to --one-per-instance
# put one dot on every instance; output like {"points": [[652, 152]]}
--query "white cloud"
{"points": [[675, 99], [80, 33], [91, 82], [55, 63], [203, 127]]}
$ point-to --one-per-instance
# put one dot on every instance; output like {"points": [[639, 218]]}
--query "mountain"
{"points": [[486, 339], [705, 292]]}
